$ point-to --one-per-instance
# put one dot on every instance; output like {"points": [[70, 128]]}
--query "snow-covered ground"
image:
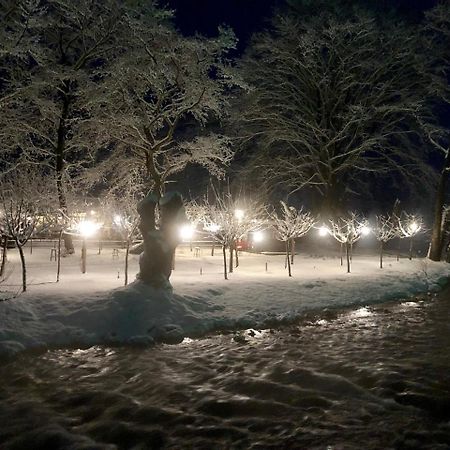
{"points": [[94, 308]]}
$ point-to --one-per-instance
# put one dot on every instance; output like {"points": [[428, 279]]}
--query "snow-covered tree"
{"points": [[436, 37], [120, 212], [229, 220], [289, 224], [160, 96], [347, 231], [409, 226], [385, 230], [62, 50], [333, 99], [24, 198]]}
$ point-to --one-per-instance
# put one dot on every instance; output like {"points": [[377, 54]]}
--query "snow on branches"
{"points": [[229, 220], [289, 224], [347, 231], [385, 230]]}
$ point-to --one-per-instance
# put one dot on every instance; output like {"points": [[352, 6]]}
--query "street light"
{"points": [[323, 231], [239, 214], [365, 230], [86, 228], [258, 236], [187, 232]]}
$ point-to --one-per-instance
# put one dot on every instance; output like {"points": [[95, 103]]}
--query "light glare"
{"points": [[186, 232], [258, 236], [88, 228]]}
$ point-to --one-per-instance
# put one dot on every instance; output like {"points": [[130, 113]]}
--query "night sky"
{"points": [[248, 16]]}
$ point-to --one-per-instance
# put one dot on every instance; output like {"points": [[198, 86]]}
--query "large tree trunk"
{"points": [[437, 238], [60, 164]]}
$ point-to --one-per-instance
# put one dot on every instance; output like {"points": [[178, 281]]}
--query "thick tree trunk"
{"points": [[437, 238], [224, 250], [24, 267], [60, 164], [341, 254], [236, 254], [212, 249]]}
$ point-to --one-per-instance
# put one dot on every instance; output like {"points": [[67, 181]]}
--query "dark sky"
{"points": [[204, 16], [249, 16]]}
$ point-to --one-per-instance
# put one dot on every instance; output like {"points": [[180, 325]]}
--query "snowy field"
{"points": [[94, 308]]}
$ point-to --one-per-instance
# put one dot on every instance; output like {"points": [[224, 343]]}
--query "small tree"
{"points": [[290, 224], [229, 220], [24, 198], [121, 212], [347, 231], [384, 231], [409, 225]]}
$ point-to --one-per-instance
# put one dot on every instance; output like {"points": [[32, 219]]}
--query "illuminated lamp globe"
{"points": [[88, 228], [186, 232], [258, 236]]}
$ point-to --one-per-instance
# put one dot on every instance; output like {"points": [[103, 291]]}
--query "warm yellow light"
{"points": [[365, 230], [258, 236], [414, 227], [186, 232], [239, 214], [88, 228]]}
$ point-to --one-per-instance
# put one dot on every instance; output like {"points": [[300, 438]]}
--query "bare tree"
{"points": [[332, 99], [23, 195], [229, 220], [409, 225], [347, 231], [290, 224], [385, 230]]}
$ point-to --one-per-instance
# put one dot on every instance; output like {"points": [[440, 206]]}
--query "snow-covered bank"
{"points": [[73, 313]]}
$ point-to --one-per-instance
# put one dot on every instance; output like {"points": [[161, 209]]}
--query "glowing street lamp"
{"points": [[86, 228], [239, 214], [187, 232], [365, 230], [258, 236], [413, 228], [323, 231]]}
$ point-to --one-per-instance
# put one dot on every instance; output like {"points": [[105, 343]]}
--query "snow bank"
{"points": [[69, 316]]}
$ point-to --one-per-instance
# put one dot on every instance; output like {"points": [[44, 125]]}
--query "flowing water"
{"points": [[372, 378]]}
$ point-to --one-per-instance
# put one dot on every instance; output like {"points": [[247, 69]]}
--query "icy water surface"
{"points": [[371, 378]]}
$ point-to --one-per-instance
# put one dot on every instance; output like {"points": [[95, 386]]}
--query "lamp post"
{"points": [[86, 228]]}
